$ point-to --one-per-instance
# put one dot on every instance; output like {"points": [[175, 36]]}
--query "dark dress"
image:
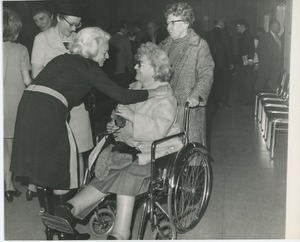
{"points": [[41, 148]]}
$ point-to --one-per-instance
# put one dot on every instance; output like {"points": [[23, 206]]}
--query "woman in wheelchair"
{"points": [[146, 121]]}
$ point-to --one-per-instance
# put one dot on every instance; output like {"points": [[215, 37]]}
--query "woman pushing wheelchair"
{"points": [[123, 174]]}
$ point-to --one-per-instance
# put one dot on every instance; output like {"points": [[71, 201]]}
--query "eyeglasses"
{"points": [[140, 63], [173, 22], [77, 26]]}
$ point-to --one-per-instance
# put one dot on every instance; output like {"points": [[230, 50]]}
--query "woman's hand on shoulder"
{"points": [[159, 91], [125, 112]]}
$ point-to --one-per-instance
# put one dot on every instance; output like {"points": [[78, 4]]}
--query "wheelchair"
{"points": [[177, 198]]}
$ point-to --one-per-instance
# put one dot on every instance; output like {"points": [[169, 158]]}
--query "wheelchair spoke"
{"points": [[191, 192]]}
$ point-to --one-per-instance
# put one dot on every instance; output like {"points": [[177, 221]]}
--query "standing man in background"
{"points": [[245, 63], [270, 60], [121, 59], [221, 48], [154, 33]]}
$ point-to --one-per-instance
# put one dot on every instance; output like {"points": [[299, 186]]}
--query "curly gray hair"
{"points": [[181, 9], [158, 59]]}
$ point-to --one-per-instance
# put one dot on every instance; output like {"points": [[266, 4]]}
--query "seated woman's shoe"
{"points": [[64, 210], [111, 237], [30, 195], [75, 236], [9, 195]]}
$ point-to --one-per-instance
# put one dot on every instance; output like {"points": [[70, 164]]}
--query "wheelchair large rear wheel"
{"points": [[189, 197]]}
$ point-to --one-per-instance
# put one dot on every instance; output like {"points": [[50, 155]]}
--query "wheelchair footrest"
{"points": [[56, 223]]}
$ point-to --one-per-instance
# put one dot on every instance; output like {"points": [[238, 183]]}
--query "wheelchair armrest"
{"points": [[159, 141]]}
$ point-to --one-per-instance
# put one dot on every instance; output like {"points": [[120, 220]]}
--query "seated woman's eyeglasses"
{"points": [[140, 63], [77, 26], [173, 22]]}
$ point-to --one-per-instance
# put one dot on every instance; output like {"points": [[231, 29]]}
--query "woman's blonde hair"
{"points": [[158, 59], [84, 45], [12, 25]]}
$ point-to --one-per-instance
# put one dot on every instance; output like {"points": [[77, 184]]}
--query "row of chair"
{"points": [[272, 112]]}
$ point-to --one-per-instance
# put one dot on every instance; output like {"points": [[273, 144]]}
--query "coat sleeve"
{"points": [[101, 81], [204, 73], [157, 124]]}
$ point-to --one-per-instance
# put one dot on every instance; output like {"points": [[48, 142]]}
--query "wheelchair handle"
{"points": [[186, 120]]}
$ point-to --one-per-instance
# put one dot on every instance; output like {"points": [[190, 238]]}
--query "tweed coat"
{"points": [[193, 77]]}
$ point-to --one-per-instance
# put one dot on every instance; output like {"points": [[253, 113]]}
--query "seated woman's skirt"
{"points": [[131, 180]]}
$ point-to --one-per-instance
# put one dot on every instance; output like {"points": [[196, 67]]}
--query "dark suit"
{"points": [[221, 48], [120, 60], [270, 64], [245, 73]]}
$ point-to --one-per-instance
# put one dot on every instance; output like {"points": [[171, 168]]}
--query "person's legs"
{"points": [[8, 177], [125, 205], [31, 192], [85, 198], [225, 86], [81, 168], [60, 200]]}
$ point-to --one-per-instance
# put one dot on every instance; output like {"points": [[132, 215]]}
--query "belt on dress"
{"points": [[49, 91], [74, 181]]}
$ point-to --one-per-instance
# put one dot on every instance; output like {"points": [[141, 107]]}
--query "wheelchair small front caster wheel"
{"points": [[102, 222], [167, 232]]}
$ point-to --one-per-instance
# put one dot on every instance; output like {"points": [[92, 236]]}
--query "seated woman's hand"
{"points": [[111, 127], [125, 112]]}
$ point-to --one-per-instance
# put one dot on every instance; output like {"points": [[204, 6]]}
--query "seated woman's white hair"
{"points": [[158, 59]]}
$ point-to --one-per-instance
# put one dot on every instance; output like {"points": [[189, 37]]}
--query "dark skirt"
{"points": [[41, 149]]}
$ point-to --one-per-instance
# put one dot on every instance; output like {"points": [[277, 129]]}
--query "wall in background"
{"points": [[205, 11], [106, 13]]}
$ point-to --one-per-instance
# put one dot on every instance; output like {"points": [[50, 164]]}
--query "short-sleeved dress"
{"points": [[41, 148], [15, 60], [48, 45]]}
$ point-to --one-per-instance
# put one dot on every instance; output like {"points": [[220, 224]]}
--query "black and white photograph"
{"points": [[150, 120]]}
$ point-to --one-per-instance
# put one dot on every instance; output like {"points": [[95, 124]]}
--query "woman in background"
{"points": [[16, 77], [44, 20], [52, 43], [193, 67], [43, 17]]}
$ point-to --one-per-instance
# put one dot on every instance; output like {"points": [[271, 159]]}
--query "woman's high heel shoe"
{"points": [[9, 195], [30, 195]]}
